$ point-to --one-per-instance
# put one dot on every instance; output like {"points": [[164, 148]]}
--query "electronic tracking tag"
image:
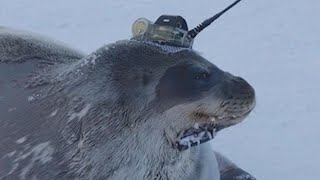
{"points": [[171, 30]]}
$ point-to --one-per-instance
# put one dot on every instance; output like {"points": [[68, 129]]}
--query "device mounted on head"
{"points": [[171, 30]]}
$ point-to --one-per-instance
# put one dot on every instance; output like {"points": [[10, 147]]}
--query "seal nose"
{"points": [[240, 95]]}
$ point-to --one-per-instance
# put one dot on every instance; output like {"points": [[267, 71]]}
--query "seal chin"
{"points": [[204, 132]]}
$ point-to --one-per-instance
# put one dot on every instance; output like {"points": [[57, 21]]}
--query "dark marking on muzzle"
{"points": [[187, 81]]}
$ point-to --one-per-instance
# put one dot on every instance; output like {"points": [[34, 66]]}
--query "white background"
{"points": [[274, 44]]}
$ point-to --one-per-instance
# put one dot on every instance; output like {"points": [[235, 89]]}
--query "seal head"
{"points": [[193, 98]]}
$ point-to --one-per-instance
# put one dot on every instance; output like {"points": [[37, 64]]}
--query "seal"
{"points": [[129, 110]]}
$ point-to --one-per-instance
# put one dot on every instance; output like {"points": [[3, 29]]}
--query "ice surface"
{"points": [[273, 44]]}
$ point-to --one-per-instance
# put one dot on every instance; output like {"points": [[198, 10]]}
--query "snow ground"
{"points": [[273, 44]]}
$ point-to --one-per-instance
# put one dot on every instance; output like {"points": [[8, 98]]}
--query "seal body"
{"points": [[29, 113], [126, 111]]}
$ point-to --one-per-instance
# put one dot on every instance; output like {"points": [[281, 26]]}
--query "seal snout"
{"points": [[240, 96], [220, 100], [239, 102]]}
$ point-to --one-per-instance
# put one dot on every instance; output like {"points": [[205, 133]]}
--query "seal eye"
{"points": [[202, 76]]}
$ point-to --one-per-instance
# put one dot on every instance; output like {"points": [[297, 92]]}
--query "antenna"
{"points": [[194, 32]]}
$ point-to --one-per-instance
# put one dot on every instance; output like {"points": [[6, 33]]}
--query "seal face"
{"points": [[129, 104], [218, 99]]}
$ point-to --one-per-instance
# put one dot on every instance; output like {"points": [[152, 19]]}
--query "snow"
{"points": [[273, 44], [80, 114], [54, 113], [30, 98], [21, 140]]}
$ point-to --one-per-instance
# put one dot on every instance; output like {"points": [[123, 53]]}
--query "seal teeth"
{"points": [[202, 134], [196, 126], [189, 144], [213, 119], [209, 135], [195, 136], [214, 132]]}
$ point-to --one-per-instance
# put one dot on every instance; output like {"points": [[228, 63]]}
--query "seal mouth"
{"points": [[196, 135], [204, 132]]}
